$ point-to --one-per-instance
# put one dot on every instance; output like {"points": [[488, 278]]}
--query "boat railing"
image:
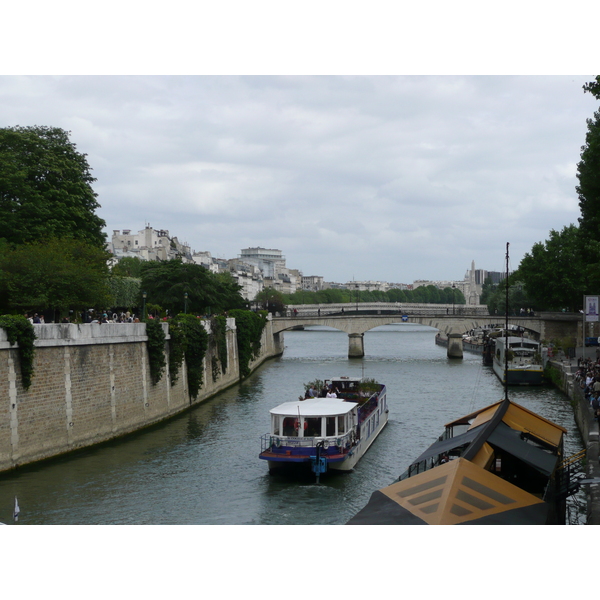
{"points": [[268, 440]]}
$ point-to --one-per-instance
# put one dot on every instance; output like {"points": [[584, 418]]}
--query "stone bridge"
{"points": [[544, 326]]}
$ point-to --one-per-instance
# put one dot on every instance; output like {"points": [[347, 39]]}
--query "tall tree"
{"points": [[55, 275], [588, 190], [554, 272], [167, 282], [45, 188], [129, 266]]}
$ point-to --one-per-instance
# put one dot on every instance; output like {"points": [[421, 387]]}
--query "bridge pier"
{"points": [[356, 345], [455, 345]]}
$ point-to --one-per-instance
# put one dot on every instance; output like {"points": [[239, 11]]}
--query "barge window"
{"points": [[276, 421], [330, 426], [290, 427], [341, 425], [312, 426]]}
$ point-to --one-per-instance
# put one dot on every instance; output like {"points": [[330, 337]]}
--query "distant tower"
{"points": [[473, 297]]}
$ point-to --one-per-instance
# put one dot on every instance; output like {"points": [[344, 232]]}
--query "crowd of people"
{"points": [[588, 377], [91, 316]]}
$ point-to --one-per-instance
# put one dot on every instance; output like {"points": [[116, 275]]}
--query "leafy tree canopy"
{"points": [[129, 266], [271, 300], [167, 282], [429, 294], [554, 273], [588, 190], [45, 188], [53, 275]]}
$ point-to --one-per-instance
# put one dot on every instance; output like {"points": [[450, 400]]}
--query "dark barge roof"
{"points": [[465, 490]]}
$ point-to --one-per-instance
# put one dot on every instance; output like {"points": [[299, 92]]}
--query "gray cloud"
{"points": [[390, 178]]}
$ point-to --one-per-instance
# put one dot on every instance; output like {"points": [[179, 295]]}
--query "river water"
{"points": [[202, 467]]}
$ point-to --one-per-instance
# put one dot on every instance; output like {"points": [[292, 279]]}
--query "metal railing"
{"points": [[268, 440]]}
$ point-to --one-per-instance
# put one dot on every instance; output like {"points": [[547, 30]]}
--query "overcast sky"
{"points": [[377, 176], [391, 178]]}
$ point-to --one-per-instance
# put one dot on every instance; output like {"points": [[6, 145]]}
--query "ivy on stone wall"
{"points": [[249, 327], [20, 331], [218, 341], [189, 340], [156, 349], [176, 350], [195, 346]]}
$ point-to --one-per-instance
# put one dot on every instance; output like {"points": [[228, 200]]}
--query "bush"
{"points": [[156, 349], [194, 341], [249, 326], [20, 331]]}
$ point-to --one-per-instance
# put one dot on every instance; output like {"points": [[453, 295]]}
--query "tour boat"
{"points": [[523, 365], [320, 433]]}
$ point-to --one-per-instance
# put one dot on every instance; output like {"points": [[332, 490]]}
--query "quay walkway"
{"points": [[589, 430]]}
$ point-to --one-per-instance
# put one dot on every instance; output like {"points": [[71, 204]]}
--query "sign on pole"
{"points": [[591, 308]]}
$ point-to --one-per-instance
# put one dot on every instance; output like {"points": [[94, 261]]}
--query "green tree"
{"points": [[55, 275], [488, 289], [124, 291], [45, 188], [588, 190], [396, 295], [129, 266], [271, 300], [554, 272], [167, 282]]}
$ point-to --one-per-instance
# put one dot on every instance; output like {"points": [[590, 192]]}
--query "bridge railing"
{"points": [[383, 308]]}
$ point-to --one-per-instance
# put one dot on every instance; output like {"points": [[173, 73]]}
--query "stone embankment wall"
{"points": [[588, 427], [92, 383]]}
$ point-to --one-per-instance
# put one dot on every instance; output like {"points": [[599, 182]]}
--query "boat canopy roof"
{"points": [[514, 340], [519, 418], [502, 437], [314, 407], [458, 492]]}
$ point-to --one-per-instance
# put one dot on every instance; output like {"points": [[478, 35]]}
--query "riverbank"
{"points": [[588, 428], [92, 384]]}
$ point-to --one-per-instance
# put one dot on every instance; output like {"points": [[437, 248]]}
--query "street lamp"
{"points": [[144, 294], [185, 296]]}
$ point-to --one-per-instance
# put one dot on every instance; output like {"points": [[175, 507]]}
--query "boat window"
{"points": [[341, 425], [312, 426], [276, 420], [290, 426], [330, 426]]}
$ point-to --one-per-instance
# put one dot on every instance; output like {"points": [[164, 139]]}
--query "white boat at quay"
{"points": [[320, 433], [523, 365]]}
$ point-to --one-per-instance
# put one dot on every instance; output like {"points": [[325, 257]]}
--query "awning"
{"points": [[456, 493], [510, 441]]}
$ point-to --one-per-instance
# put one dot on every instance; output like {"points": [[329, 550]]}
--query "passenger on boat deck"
{"points": [[307, 395], [324, 391], [312, 392], [331, 394], [444, 459]]}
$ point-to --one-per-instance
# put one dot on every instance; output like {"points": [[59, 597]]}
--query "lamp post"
{"points": [[185, 296], [144, 294], [453, 288]]}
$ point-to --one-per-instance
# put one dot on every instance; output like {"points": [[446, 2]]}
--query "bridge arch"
{"points": [[356, 325]]}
